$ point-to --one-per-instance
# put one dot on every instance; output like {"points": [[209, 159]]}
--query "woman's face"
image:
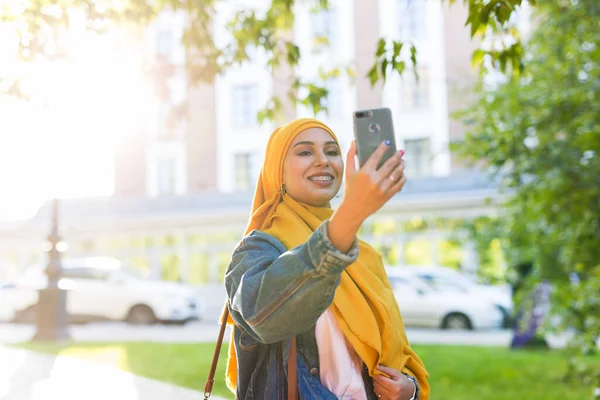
{"points": [[313, 168]]}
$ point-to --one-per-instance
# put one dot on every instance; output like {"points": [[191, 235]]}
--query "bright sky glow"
{"points": [[63, 142]]}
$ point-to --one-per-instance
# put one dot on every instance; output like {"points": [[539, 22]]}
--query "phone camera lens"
{"points": [[363, 114], [374, 128]]}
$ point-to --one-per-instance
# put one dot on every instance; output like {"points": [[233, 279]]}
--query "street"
{"points": [[204, 331]]}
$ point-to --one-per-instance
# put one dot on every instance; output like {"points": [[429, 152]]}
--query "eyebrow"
{"points": [[312, 143]]}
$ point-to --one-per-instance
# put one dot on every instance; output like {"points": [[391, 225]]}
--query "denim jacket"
{"points": [[275, 294]]}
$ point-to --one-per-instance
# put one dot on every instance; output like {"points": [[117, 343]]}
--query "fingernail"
{"points": [[388, 142], [402, 152]]}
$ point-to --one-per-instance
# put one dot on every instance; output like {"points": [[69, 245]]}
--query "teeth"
{"points": [[320, 178]]}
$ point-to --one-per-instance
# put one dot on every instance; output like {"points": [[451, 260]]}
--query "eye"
{"points": [[333, 153], [304, 153]]}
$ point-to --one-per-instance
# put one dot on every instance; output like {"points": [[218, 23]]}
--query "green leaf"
{"points": [[351, 74], [413, 56], [321, 5], [399, 67], [397, 48], [271, 112], [384, 65], [293, 53], [320, 41], [380, 48], [477, 58], [503, 12], [373, 75]]}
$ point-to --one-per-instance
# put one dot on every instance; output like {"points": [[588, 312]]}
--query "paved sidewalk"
{"points": [[26, 375]]}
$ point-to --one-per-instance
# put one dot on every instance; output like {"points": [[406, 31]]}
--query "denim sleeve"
{"points": [[275, 293]]}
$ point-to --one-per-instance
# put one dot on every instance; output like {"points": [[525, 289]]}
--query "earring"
{"points": [[283, 190]]}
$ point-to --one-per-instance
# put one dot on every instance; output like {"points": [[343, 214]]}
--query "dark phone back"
{"points": [[371, 127]]}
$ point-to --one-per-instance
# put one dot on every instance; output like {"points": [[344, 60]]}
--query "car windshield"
{"points": [[416, 283], [447, 280]]}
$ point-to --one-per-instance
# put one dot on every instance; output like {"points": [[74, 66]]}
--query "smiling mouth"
{"points": [[321, 178]]}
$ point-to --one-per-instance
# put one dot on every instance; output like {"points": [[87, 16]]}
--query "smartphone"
{"points": [[371, 127]]}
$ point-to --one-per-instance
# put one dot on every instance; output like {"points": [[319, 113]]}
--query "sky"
{"points": [[44, 154], [62, 143]]}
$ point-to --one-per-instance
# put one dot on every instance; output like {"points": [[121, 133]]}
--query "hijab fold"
{"points": [[364, 304]]}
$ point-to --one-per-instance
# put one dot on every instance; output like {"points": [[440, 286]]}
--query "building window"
{"points": [[412, 19], [334, 98], [324, 26], [164, 43], [415, 93], [417, 159], [246, 171], [166, 177], [245, 105]]}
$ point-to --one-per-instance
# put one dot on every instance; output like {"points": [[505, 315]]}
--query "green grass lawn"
{"points": [[457, 372]]}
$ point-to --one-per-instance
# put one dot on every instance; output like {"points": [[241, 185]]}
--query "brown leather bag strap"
{"points": [[292, 363], [292, 371], [213, 367]]}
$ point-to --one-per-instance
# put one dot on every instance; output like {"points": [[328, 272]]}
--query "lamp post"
{"points": [[51, 319]]}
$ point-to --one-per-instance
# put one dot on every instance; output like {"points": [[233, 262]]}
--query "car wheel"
{"points": [[457, 322], [141, 315]]}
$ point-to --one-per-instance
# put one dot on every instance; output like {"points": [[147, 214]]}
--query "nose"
{"points": [[322, 160]]}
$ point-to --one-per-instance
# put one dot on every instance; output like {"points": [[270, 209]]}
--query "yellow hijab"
{"points": [[364, 304]]}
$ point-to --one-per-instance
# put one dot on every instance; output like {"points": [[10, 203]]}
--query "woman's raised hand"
{"points": [[366, 190]]}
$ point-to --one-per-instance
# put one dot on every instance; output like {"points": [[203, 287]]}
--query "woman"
{"points": [[300, 271]]}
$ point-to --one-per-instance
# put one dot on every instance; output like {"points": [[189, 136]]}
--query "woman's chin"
{"points": [[315, 196], [320, 200]]}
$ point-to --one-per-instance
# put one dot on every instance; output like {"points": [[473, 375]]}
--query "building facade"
{"points": [[219, 145]]}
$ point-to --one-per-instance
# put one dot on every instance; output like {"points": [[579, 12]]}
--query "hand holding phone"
{"points": [[380, 177]]}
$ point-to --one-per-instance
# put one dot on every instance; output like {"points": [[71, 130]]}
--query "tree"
{"points": [[540, 132], [38, 25]]}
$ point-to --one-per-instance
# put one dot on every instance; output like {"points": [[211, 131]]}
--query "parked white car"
{"points": [[449, 279], [424, 306], [101, 288]]}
